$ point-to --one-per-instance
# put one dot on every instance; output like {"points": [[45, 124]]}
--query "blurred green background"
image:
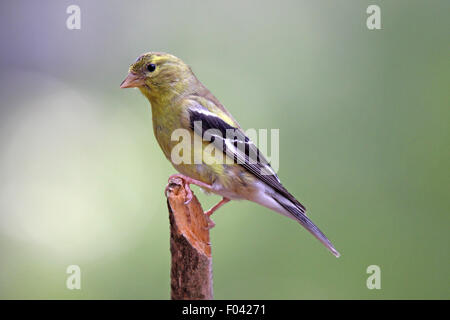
{"points": [[364, 128]]}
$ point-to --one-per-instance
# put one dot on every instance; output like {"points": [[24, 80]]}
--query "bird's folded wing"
{"points": [[237, 146]]}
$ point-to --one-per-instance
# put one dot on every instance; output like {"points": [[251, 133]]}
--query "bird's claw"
{"points": [[166, 190], [211, 224], [187, 182], [188, 194]]}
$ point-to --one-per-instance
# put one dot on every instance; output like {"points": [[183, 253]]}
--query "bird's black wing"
{"points": [[237, 146]]}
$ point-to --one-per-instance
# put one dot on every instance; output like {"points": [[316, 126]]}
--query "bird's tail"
{"points": [[298, 213]]}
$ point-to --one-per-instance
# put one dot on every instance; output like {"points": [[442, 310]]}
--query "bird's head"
{"points": [[159, 76]]}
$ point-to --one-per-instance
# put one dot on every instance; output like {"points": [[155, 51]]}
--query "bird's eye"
{"points": [[151, 67]]}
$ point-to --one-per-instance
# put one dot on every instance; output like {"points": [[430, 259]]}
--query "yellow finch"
{"points": [[180, 101]]}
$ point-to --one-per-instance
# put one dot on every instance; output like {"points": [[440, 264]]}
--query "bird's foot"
{"points": [[187, 182], [217, 206], [211, 223], [208, 213]]}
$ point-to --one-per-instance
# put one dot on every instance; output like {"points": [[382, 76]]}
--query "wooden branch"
{"points": [[191, 270]]}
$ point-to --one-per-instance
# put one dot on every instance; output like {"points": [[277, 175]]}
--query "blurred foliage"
{"points": [[364, 125]]}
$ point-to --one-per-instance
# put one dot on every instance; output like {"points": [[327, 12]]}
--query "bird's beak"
{"points": [[132, 80]]}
